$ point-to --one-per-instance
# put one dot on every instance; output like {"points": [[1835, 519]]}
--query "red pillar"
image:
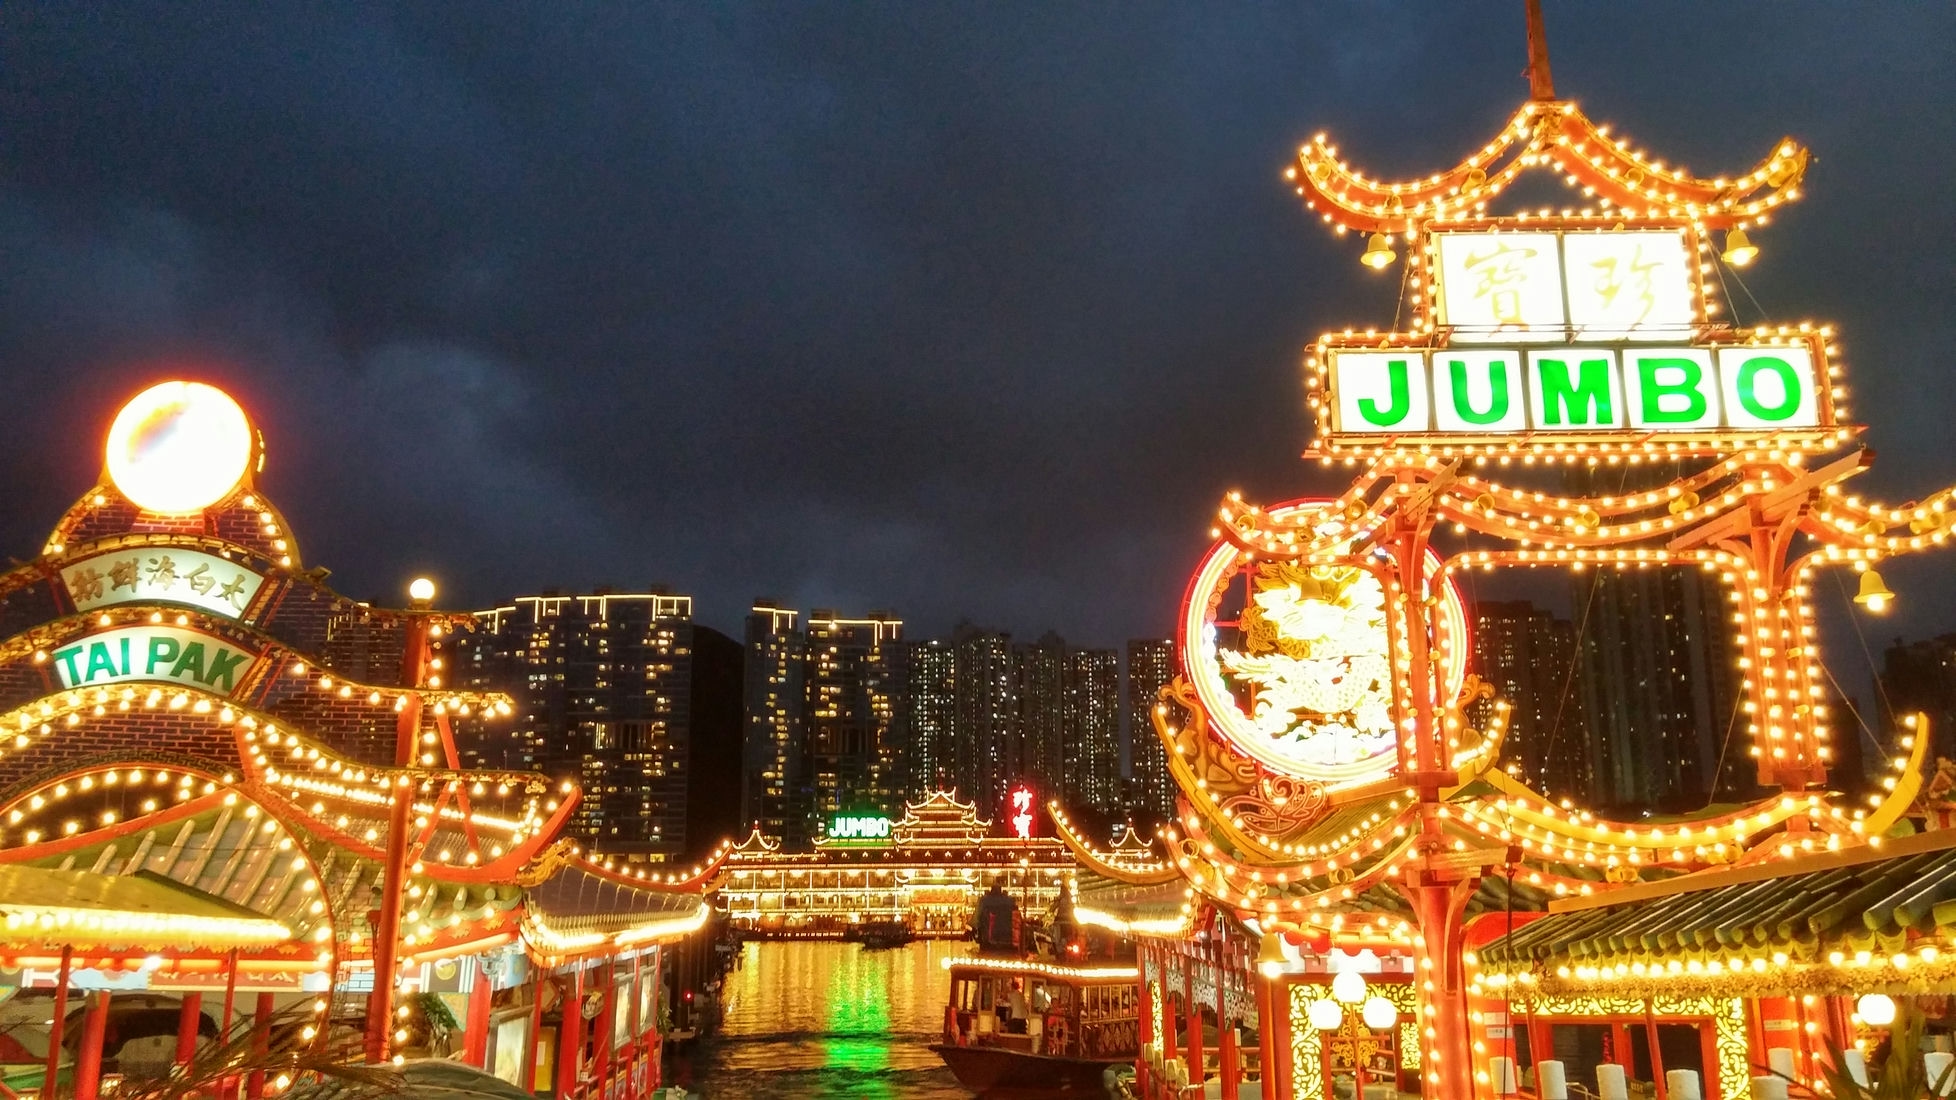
{"points": [[1656, 1054], [1442, 1001], [1280, 1039], [1232, 1074], [53, 1077], [475, 1034], [261, 1045], [1266, 1038], [88, 1060], [1193, 1007], [187, 1020], [387, 931], [230, 992], [570, 1038], [1144, 1024], [601, 1059], [535, 1040], [1169, 1025]]}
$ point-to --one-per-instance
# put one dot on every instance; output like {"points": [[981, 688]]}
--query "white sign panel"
{"points": [[1501, 287], [1478, 391], [161, 574], [1384, 391], [168, 654], [1575, 390], [1624, 283], [1763, 390], [1587, 287], [1671, 389], [1502, 391]]}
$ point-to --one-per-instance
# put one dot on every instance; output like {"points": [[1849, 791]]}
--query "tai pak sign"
{"points": [[165, 654]]}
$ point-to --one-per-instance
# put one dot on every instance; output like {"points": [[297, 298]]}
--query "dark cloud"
{"points": [[949, 309]]}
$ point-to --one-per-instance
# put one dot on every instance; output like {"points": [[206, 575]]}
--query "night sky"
{"points": [[957, 310]]}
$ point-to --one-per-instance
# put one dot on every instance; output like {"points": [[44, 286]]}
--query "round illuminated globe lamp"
{"points": [[179, 447], [1876, 1009], [1379, 1013]]}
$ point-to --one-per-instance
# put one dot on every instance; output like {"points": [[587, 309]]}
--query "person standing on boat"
{"points": [[997, 920]]}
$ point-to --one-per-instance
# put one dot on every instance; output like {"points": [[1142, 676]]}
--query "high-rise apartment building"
{"points": [[1037, 750], [603, 687], [1150, 667], [1657, 664], [852, 679], [928, 719], [776, 656], [986, 715], [1528, 656], [1090, 772]]}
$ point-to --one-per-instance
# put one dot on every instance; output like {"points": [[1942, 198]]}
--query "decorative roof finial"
{"points": [[1540, 84]]}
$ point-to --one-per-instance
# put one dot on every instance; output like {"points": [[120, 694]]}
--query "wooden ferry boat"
{"points": [[1036, 1026]]}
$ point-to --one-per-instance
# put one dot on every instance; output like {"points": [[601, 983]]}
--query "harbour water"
{"points": [[814, 1019]]}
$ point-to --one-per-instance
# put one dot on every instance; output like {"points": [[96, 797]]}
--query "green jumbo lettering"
{"points": [[1686, 381], [1589, 399], [1748, 388], [1402, 401], [1497, 402]]}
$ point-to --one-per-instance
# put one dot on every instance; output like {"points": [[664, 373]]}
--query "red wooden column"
{"points": [[1229, 1058], [193, 1011], [1144, 1019], [1192, 1009], [601, 1059], [475, 1033], [53, 1076], [1168, 1024], [541, 982], [1280, 1036], [387, 925], [261, 1045], [1266, 1037], [88, 1060], [570, 1038]]}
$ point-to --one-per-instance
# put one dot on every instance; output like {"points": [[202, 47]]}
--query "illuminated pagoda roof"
{"points": [[1613, 178], [188, 715], [940, 820], [756, 844], [1841, 923]]}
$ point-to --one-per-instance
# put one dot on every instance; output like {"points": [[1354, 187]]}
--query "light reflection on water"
{"points": [[817, 1019]]}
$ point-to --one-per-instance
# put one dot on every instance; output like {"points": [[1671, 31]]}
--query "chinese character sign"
{"points": [[1621, 284], [1500, 286], [1021, 816], [1541, 287], [162, 574]]}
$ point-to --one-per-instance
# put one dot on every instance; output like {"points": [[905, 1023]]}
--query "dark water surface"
{"points": [[815, 1019]]}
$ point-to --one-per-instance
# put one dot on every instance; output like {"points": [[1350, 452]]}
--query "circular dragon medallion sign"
{"points": [[1291, 660]]}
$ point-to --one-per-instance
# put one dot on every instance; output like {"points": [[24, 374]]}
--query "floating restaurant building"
{"points": [[925, 870], [1375, 905], [201, 806]]}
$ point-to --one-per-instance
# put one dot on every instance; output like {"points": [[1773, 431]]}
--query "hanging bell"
{"points": [[1739, 249], [1270, 955], [1378, 253], [1873, 595]]}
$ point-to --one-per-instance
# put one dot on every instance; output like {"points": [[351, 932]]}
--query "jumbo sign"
{"points": [[1497, 391]]}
